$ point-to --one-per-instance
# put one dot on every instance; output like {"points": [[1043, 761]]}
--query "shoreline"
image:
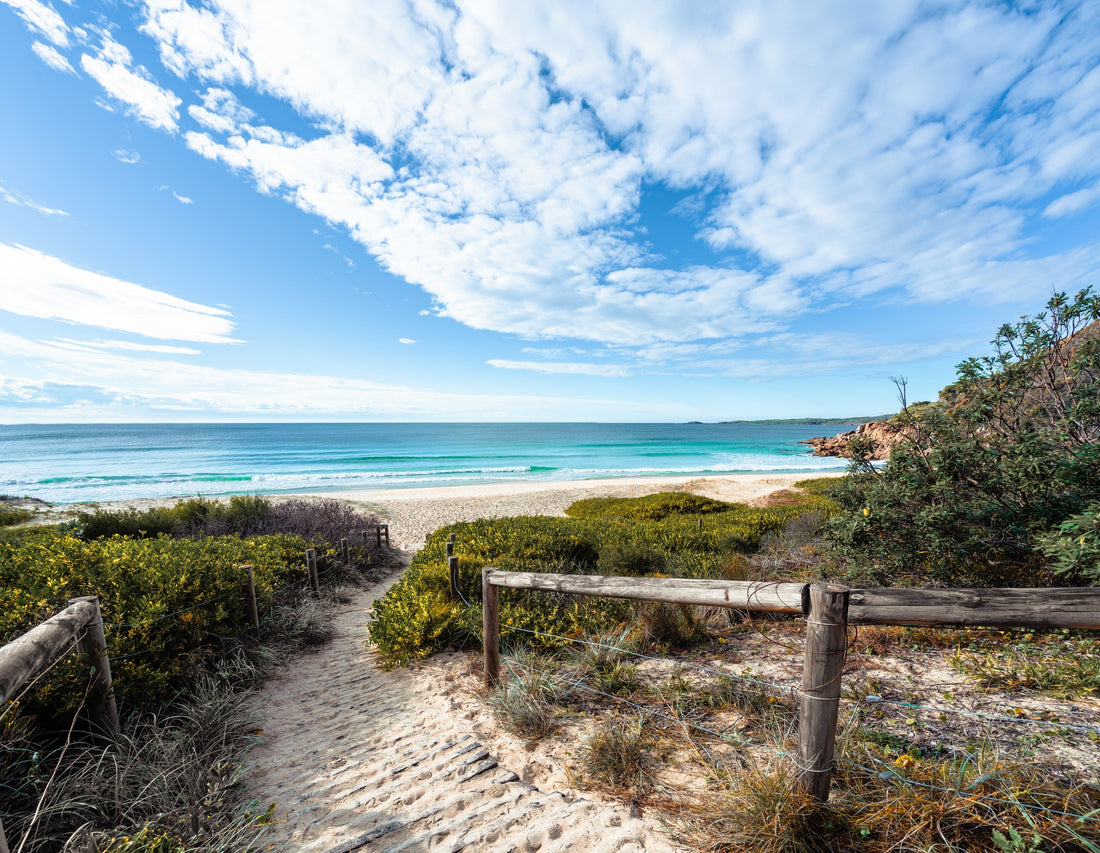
{"points": [[413, 513]]}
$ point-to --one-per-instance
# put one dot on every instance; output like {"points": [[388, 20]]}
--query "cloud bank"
{"points": [[34, 284], [509, 158]]}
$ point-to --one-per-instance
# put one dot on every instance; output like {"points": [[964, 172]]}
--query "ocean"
{"points": [[71, 463]]}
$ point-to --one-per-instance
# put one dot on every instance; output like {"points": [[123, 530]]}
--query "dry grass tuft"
{"points": [[617, 754]]}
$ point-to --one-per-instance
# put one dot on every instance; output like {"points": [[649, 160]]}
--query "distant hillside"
{"points": [[813, 421]]}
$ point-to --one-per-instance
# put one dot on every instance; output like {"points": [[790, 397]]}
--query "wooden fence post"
{"points": [[3, 839], [452, 572], [490, 623], [101, 707], [345, 551], [248, 590], [451, 548], [311, 570], [826, 638]]}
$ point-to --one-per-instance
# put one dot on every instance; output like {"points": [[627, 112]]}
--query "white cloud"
{"points": [[106, 385], [37, 285], [194, 40], [126, 156], [406, 341], [182, 199], [43, 19], [498, 156], [22, 200], [1074, 202], [573, 368], [134, 87], [52, 57], [130, 346]]}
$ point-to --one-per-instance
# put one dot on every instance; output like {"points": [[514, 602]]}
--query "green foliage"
{"points": [[10, 515], [1073, 550], [417, 618], [169, 783], [630, 559], [818, 486], [1046, 664], [164, 601], [238, 515], [1010, 451], [648, 508]]}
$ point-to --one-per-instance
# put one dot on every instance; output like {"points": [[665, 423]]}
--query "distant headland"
{"points": [[809, 421]]}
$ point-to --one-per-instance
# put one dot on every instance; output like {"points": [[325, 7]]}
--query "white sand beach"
{"points": [[414, 513]]}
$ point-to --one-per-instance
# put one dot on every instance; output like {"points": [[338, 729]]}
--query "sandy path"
{"points": [[358, 759], [361, 759]]}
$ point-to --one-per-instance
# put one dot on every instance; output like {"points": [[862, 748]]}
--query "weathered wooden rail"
{"points": [[828, 609], [79, 628]]}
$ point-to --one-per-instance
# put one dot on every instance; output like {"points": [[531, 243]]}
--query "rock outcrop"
{"points": [[885, 435]]}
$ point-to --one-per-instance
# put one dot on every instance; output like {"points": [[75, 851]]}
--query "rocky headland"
{"points": [[885, 434]]}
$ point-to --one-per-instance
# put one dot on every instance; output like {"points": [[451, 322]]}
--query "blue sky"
{"points": [[619, 211]]}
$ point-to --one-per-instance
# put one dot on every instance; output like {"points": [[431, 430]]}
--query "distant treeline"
{"points": [[810, 421]]}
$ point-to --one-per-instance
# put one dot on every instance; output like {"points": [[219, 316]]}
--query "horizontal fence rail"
{"points": [[42, 645], [738, 595], [828, 610], [79, 627], [1054, 607]]}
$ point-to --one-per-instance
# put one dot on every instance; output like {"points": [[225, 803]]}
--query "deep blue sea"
{"points": [[104, 462]]}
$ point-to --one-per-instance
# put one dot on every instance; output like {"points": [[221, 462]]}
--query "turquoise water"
{"points": [[104, 462]]}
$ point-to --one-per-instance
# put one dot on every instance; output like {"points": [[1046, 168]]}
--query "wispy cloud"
{"points": [[504, 154], [182, 199], [406, 341], [43, 19], [23, 200], [112, 67], [124, 155], [37, 285], [504, 158], [574, 368], [105, 385], [52, 57], [166, 349]]}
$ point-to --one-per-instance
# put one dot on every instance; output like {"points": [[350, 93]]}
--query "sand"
{"points": [[414, 513]]}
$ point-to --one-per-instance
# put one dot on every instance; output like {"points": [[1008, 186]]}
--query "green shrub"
{"points": [[417, 618], [647, 508], [1073, 550], [631, 559], [10, 515], [619, 755], [164, 601], [1011, 450]]}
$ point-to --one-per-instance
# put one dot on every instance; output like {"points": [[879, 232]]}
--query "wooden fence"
{"points": [[828, 610], [79, 628]]}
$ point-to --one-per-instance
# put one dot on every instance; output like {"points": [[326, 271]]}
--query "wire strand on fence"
{"points": [[161, 618], [874, 699], [789, 688], [42, 674], [700, 667], [889, 776], [650, 711], [884, 776]]}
